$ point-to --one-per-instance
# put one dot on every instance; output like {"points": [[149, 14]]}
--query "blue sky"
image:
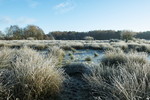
{"points": [[76, 15]]}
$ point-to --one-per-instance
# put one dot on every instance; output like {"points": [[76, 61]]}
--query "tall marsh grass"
{"points": [[117, 56], [125, 77], [35, 75], [123, 83]]}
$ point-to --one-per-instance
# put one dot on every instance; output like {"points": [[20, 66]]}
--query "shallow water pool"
{"points": [[90, 56]]}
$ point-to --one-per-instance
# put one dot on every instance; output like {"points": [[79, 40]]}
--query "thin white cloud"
{"points": [[32, 3], [19, 21], [24, 20], [64, 7]]}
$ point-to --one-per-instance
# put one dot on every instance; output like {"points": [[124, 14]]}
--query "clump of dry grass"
{"points": [[130, 81], [56, 52], [122, 45], [117, 56], [6, 57], [140, 47], [96, 54], [88, 58], [143, 48], [36, 75], [125, 79], [105, 46], [37, 46]]}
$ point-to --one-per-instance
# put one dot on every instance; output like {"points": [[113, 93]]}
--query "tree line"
{"points": [[14, 32], [100, 35]]}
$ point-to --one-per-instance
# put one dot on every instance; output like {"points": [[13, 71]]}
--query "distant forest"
{"points": [[32, 32]]}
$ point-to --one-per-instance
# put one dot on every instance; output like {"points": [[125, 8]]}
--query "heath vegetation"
{"points": [[32, 64], [25, 74], [121, 77]]}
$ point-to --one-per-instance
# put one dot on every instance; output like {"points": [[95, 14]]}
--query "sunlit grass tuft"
{"points": [[36, 76], [130, 81], [117, 56]]}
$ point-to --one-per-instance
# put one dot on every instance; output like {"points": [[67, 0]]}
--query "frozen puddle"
{"points": [[86, 55]]}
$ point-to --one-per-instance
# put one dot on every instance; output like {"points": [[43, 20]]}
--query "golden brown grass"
{"points": [[117, 56], [126, 80], [36, 75]]}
